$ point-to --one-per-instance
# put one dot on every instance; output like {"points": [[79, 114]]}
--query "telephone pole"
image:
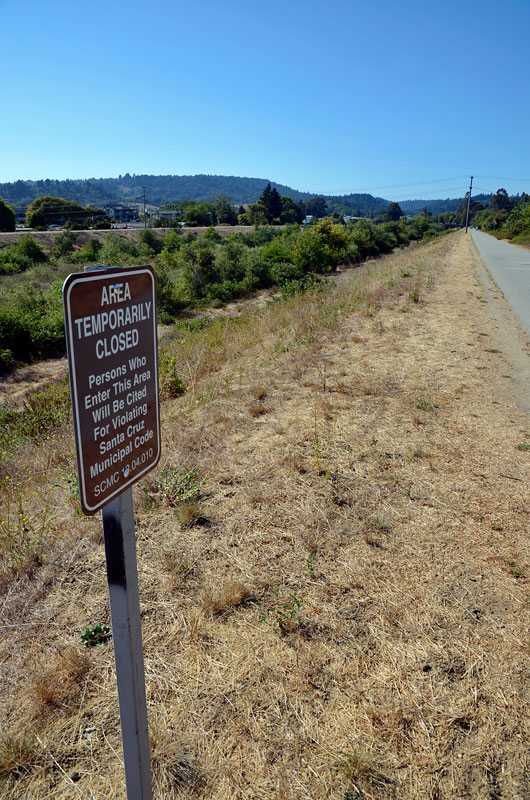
{"points": [[469, 202], [145, 218]]}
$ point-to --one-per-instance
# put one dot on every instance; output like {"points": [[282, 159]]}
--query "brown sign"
{"points": [[110, 324]]}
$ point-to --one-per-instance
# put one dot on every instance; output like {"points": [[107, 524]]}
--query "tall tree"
{"points": [[291, 211], [316, 207], [49, 210], [7, 217], [501, 200], [224, 210], [272, 203], [393, 213]]}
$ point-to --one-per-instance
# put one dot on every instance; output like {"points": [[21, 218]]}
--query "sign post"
{"points": [[110, 324]]}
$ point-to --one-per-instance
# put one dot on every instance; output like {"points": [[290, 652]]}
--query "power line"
{"points": [[397, 185], [496, 178]]}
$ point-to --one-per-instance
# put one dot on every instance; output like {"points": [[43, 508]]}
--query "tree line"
{"points": [[193, 271], [505, 217]]}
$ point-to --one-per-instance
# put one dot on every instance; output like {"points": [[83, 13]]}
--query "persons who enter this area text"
{"points": [[116, 398]]}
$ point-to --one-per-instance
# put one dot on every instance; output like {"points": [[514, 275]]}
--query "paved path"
{"points": [[509, 266]]}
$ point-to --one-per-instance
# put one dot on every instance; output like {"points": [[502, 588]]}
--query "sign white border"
{"points": [[99, 276]]}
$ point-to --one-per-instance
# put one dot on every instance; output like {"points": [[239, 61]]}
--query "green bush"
{"points": [[118, 250], [63, 244], [167, 298], [309, 252], [257, 270], [86, 254], [197, 261], [172, 241], [211, 235], [284, 272], [31, 325], [229, 261], [12, 261], [147, 237], [278, 251], [28, 247]]}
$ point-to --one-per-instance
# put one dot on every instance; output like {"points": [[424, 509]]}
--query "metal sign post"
{"points": [[120, 550], [110, 325]]}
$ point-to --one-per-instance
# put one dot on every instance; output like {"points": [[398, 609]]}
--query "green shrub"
{"points": [[12, 261], [86, 254], [257, 270], [147, 237], [31, 324], [171, 384], [167, 299], [284, 272], [63, 244], [172, 241], [278, 251], [211, 235], [229, 261], [28, 247]]}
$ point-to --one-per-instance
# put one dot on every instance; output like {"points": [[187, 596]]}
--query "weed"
{"points": [[57, 685], [493, 350], [257, 409], [309, 562], [20, 537], [171, 385], [496, 527], [95, 635], [414, 295], [373, 441], [281, 612], [424, 404], [72, 482], [189, 512], [514, 570], [17, 756], [316, 447], [43, 411], [524, 446], [148, 500], [406, 274], [176, 484], [222, 599], [360, 767]]}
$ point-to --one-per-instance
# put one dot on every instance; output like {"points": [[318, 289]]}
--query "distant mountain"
{"points": [[162, 189], [440, 206], [159, 189]]}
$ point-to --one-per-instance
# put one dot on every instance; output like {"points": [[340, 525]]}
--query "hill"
{"points": [[162, 189]]}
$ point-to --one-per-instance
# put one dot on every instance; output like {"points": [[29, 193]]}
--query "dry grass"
{"points": [[380, 503]]}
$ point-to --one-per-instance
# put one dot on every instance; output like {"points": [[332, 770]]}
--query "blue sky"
{"points": [[329, 98]]}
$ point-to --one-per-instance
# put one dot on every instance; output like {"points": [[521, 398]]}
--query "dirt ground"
{"points": [[340, 609]]}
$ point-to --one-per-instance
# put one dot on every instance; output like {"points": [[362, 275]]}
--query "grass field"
{"points": [[333, 559]]}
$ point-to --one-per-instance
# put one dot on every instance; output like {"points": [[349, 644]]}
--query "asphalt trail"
{"points": [[509, 266]]}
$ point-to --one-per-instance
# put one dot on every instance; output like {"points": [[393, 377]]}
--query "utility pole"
{"points": [[145, 218], [469, 202]]}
